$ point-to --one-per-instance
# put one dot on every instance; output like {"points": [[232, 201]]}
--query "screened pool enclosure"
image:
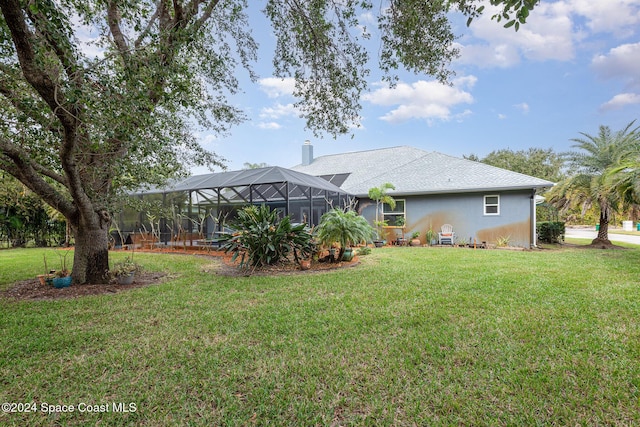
{"points": [[195, 210]]}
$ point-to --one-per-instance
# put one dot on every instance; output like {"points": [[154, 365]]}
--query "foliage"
{"points": [[364, 250], [380, 196], [503, 241], [260, 238], [430, 235], [590, 184], [544, 164], [415, 235], [249, 165], [125, 268], [344, 228], [25, 219], [624, 177], [550, 231]]}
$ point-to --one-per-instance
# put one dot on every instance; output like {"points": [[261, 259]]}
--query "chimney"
{"points": [[307, 153]]}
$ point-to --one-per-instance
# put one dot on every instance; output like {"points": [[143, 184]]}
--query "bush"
{"points": [[259, 238], [344, 229], [550, 231]]}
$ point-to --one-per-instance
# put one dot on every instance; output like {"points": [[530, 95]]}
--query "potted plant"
{"points": [[61, 279], [430, 236], [47, 277], [57, 278], [124, 272], [343, 229], [415, 238], [379, 241]]}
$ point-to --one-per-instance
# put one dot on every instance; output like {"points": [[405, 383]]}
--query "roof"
{"points": [[414, 171], [268, 175]]}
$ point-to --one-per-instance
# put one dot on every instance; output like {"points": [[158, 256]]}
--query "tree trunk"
{"points": [[91, 257], [603, 232]]}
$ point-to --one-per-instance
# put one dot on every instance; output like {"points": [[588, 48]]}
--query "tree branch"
{"points": [[16, 161], [113, 19], [53, 35], [37, 77]]}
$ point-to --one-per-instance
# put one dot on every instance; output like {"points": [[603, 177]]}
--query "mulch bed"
{"points": [[33, 290]]}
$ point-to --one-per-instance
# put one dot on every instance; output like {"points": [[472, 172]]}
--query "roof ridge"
{"points": [[372, 149]]}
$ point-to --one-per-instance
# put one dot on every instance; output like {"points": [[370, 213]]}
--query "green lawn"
{"points": [[412, 336]]}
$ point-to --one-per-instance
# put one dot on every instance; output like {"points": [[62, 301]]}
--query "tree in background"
{"points": [[591, 184], [24, 218], [538, 162], [79, 130], [249, 165]]}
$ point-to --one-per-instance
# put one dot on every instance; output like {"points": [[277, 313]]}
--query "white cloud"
{"points": [[276, 87], [427, 100], [547, 35], [618, 17], [620, 101], [524, 107], [620, 62], [502, 116], [278, 111], [269, 125], [554, 31]]}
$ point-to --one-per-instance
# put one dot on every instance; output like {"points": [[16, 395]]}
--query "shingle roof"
{"points": [[415, 171]]}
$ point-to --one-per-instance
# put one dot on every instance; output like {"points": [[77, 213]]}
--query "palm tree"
{"points": [[379, 194], [625, 177], [591, 184]]}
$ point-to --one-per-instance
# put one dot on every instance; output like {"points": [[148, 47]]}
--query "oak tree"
{"points": [[80, 128]]}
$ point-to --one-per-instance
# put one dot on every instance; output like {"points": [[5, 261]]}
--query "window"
{"points": [[390, 215], [492, 205]]}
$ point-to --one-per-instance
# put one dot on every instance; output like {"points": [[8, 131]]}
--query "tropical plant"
{"points": [[260, 238], [344, 228], [380, 196], [430, 235], [590, 184], [503, 241], [624, 178]]}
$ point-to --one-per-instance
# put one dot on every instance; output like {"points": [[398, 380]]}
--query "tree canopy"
{"points": [[78, 128], [538, 162]]}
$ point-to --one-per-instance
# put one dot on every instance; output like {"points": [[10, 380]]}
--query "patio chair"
{"points": [[446, 235]]}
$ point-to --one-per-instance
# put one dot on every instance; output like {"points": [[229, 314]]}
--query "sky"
{"points": [[574, 66]]}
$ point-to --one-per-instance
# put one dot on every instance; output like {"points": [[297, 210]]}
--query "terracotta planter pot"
{"points": [[305, 264]]}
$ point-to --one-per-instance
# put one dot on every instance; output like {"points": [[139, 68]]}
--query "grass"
{"points": [[412, 336]]}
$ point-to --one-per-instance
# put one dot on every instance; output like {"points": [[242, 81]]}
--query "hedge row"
{"points": [[550, 231]]}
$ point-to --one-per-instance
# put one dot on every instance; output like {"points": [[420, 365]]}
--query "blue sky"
{"points": [[573, 67]]}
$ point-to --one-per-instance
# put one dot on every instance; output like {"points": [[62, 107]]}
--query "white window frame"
{"points": [[402, 213], [486, 205]]}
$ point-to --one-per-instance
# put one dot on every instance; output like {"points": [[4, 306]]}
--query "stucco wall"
{"points": [[466, 213]]}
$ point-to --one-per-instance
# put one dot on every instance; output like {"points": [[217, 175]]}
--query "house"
{"points": [[482, 202]]}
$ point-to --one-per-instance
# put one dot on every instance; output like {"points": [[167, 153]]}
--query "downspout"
{"points": [[534, 236]]}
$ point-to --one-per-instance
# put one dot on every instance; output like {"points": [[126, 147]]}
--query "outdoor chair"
{"points": [[446, 236]]}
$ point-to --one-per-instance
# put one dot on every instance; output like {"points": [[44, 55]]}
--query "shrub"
{"points": [[550, 231], [343, 228], [259, 238]]}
